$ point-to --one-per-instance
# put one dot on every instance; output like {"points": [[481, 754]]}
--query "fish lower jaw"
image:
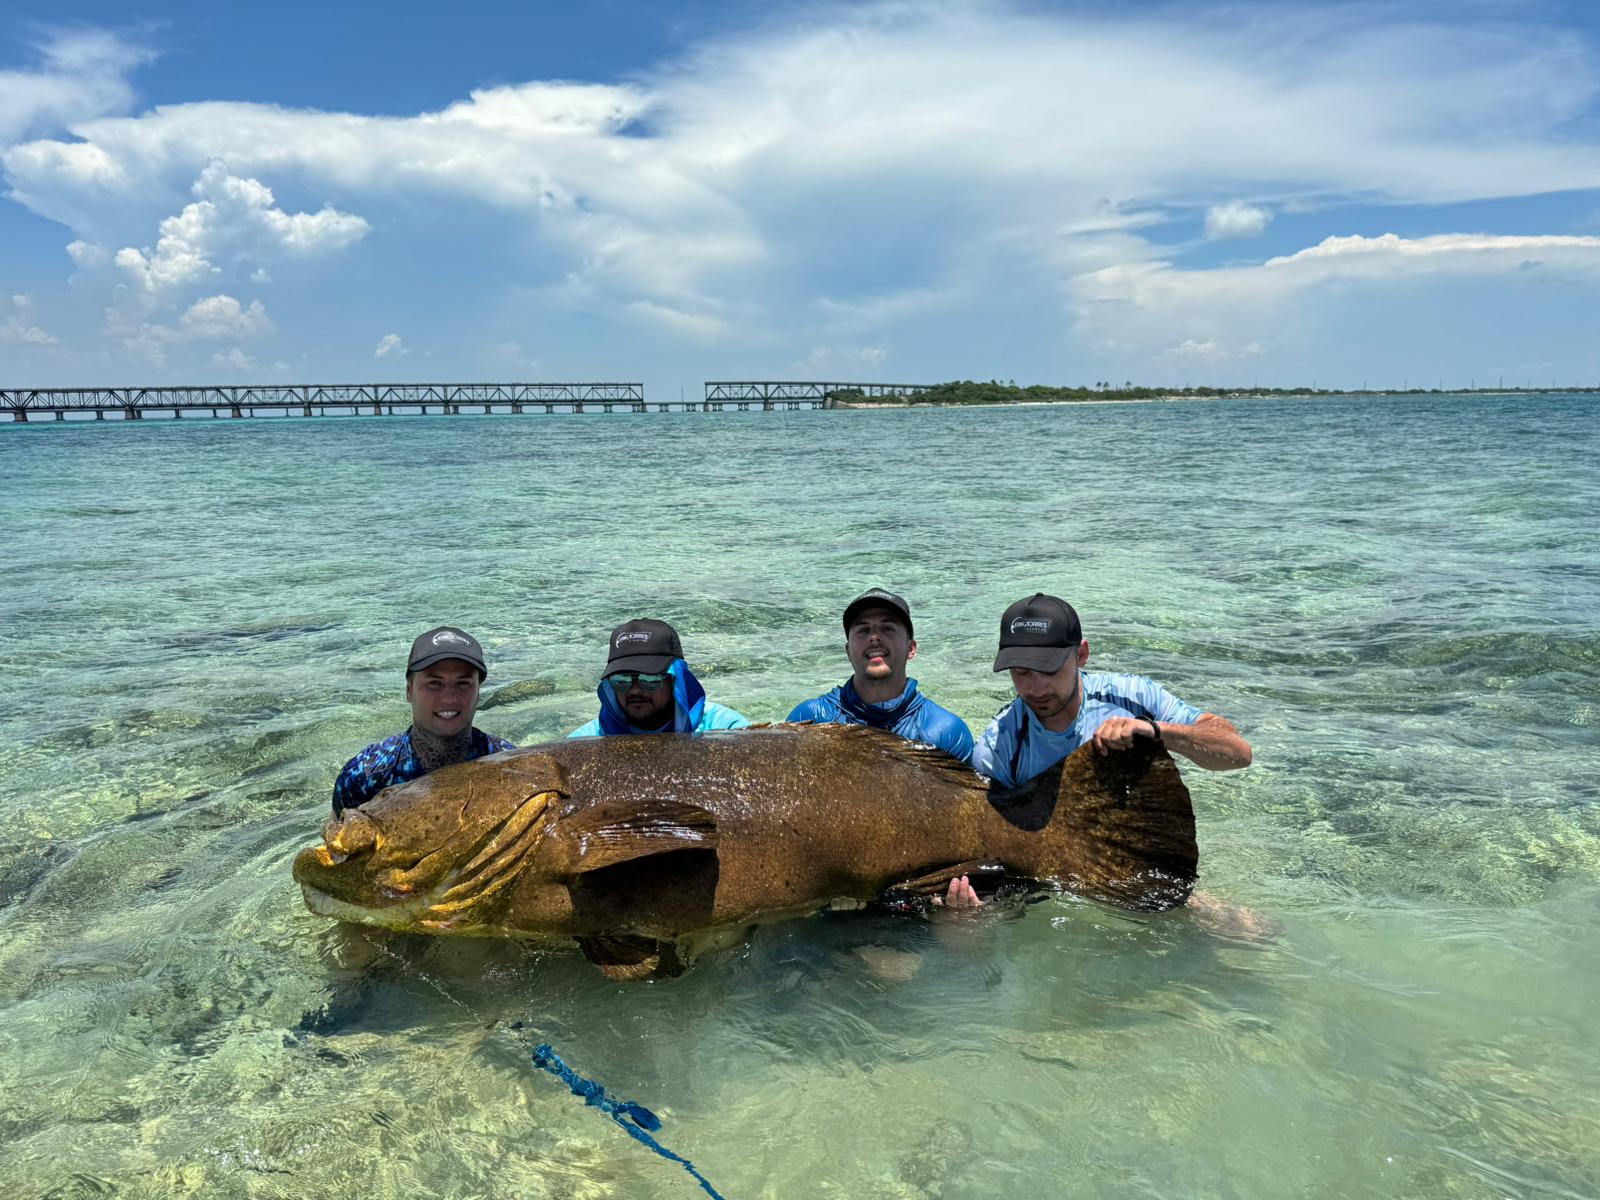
{"points": [[419, 915], [403, 914]]}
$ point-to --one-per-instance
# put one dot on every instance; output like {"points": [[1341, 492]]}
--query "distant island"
{"points": [[966, 391]]}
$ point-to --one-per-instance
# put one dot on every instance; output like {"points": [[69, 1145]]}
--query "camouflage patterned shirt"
{"points": [[391, 761]]}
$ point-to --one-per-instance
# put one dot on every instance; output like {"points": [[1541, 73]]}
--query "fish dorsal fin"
{"points": [[892, 745], [619, 831]]}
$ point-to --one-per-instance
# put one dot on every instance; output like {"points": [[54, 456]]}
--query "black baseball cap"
{"points": [[878, 598], [643, 645], [445, 642], [1039, 633]]}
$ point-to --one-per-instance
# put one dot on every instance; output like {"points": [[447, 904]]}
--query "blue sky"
{"points": [[1056, 193]]}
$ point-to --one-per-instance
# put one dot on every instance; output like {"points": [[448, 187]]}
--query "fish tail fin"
{"points": [[1130, 825]]}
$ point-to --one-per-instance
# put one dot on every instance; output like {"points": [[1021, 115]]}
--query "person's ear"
{"points": [[408, 687], [1083, 653], [911, 650]]}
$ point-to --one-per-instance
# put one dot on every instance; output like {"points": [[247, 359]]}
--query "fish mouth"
{"points": [[357, 875]]}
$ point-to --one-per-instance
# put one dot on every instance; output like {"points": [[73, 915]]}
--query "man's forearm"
{"points": [[1211, 742]]}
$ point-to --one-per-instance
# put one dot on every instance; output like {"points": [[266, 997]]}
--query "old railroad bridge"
{"points": [[22, 405]]}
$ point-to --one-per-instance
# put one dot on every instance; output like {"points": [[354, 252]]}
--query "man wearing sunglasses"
{"points": [[647, 687], [879, 644]]}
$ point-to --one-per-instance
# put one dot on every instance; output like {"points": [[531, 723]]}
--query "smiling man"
{"points": [[647, 687], [443, 675], [880, 643]]}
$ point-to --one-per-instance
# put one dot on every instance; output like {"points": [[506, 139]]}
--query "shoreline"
{"points": [[1176, 397]]}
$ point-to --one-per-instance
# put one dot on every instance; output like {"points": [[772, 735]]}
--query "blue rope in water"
{"points": [[621, 1111]]}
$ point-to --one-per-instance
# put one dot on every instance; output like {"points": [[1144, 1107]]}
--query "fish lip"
{"points": [[368, 883], [326, 904]]}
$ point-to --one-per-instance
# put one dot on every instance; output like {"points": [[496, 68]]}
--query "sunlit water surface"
{"points": [[1395, 600]]}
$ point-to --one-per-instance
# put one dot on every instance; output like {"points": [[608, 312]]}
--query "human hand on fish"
{"points": [[1119, 733], [961, 895]]}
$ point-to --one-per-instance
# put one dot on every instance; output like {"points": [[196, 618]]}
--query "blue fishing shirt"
{"points": [[911, 715], [1017, 746], [393, 761], [693, 713]]}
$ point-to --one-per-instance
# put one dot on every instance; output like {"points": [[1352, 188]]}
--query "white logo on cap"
{"points": [[446, 636], [1031, 624], [630, 637]]}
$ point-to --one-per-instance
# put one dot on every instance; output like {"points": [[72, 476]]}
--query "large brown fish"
{"points": [[643, 849]]}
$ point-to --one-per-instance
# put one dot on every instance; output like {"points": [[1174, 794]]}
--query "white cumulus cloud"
{"points": [[1191, 351], [234, 360], [1221, 313], [18, 328], [237, 216], [18, 332], [390, 345], [1236, 219], [223, 316], [86, 254]]}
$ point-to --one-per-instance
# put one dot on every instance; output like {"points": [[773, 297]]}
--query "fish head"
{"points": [[436, 854]]}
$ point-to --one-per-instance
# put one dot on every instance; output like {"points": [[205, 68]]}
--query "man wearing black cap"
{"points": [[1060, 706], [879, 643], [442, 679], [647, 687]]}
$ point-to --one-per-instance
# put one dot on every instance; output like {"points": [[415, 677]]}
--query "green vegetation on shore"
{"points": [[966, 391]]}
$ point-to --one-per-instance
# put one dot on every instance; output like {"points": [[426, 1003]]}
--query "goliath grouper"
{"points": [[646, 849]]}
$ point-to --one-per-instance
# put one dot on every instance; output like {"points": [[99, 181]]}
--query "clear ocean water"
{"points": [[1397, 601]]}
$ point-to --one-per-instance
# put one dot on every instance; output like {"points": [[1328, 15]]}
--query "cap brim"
{"points": [[860, 606], [1046, 659], [423, 664], [650, 664]]}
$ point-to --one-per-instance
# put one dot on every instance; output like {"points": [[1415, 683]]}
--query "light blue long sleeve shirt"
{"points": [[1016, 746]]}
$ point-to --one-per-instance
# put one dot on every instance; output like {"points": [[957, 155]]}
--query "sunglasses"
{"points": [[623, 681]]}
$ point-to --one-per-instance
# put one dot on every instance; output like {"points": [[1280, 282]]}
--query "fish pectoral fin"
{"points": [[626, 957], [938, 881], [987, 879], [620, 831]]}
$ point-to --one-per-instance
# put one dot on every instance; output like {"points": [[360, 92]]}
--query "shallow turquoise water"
{"points": [[1398, 602]]}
